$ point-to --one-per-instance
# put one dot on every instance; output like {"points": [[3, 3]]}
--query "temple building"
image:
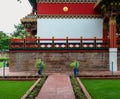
{"points": [[60, 31]]}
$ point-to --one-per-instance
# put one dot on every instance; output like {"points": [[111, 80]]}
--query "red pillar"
{"points": [[112, 32]]}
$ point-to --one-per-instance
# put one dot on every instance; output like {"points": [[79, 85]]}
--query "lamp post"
{"points": [[4, 65]]}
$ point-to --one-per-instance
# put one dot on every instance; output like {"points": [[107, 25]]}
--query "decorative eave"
{"points": [[66, 1], [100, 4], [29, 21], [29, 18], [97, 4], [68, 16]]}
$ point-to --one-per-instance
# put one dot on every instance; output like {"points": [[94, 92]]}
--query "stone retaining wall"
{"points": [[59, 62]]}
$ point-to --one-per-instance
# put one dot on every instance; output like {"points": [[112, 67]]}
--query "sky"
{"points": [[11, 12]]}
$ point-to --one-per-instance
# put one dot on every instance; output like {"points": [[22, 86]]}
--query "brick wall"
{"points": [[59, 62]]}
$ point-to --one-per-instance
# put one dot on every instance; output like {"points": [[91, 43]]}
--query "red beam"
{"points": [[56, 39], [73, 8], [58, 51]]}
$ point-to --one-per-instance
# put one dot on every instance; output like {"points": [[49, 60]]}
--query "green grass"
{"points": [[103, 89], [14, 89]]}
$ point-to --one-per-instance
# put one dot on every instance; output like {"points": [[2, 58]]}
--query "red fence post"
{"points": [[53, 42], [67, 42], [38, 42], [95, 42], [81, 45]]}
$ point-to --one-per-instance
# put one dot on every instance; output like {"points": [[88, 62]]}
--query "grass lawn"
{"points": [[1, 64], [103, 89], [14, 89]]}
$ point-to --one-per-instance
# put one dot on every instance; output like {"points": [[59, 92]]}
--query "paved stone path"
{"points": [[34, 73], [23, 73], [57, 87]]}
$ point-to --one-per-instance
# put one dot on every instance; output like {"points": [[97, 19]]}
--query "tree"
{"points": [[2, 34], [20, 31], [4, 41]]}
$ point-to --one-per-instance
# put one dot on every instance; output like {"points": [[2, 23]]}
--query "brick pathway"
{"points": [[23, 73], [34, 73], [57, 87]]}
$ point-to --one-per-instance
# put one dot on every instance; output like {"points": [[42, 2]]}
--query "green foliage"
{"points": [[78, 92], [1, 64], [2, 34], [75, 64], [2, 58], [37, 88], [4, 41], [14, 89], [2, 61], [20, 31], [40, 62], [103, 88]]}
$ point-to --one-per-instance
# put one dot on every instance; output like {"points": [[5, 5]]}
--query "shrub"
{"points": [[40, 62], [2, 59], [37, 88], [75, 64], [78, 91]]}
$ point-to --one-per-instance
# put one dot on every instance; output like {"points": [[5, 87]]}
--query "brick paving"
{"points": [[57, 87], [24, 73], [98, 73], [34, 73]]}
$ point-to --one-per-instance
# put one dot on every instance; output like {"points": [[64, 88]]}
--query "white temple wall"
{"points": [[73, 28]]}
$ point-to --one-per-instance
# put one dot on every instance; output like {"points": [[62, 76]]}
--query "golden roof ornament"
{"points": [[65, 9]]}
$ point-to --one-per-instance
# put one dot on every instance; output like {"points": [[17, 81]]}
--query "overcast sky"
{"points": [[11, 12]]}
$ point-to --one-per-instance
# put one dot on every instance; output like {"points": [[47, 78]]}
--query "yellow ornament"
{"points": [[65, 9]]}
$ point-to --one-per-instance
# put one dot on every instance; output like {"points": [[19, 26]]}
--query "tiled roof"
{"points": [[29, 18]]}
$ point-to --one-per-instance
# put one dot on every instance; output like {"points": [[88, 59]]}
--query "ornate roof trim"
{"points": [[66, 1], [97, 3], [101, 3], [69, 16], [29, 18]]}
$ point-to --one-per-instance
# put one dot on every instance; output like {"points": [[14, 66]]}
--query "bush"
{"points": [[78, 91], [37, 88], [2, 59], [75, 64], [40, 62]]}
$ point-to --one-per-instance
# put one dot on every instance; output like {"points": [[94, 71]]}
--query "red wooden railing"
{"points": [[58, 43]]}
